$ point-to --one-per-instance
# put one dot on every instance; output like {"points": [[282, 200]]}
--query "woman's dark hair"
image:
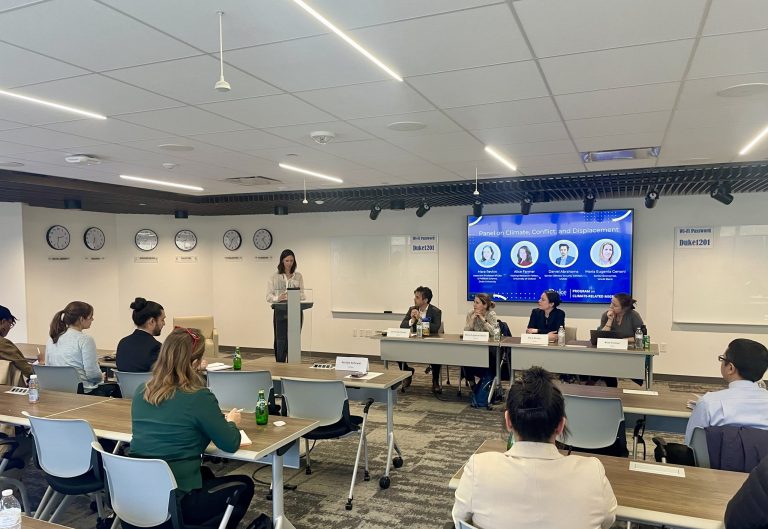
{"points": [[553, 297], [486, 300], [281, 267], [528, 256], [535, 405], [144, 310], [483, 250], [69, 316], [625, 300]]}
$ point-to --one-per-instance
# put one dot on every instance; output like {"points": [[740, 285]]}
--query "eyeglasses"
{"points": [[195, 337], [725, 359]]}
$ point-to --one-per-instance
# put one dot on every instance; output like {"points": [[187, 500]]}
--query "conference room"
{"points": [[173, 150]]}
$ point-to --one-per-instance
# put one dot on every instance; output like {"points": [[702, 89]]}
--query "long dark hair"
{"points": [[626, 301], [528, 256], [63, 319], [144, 311], [535, 405], [281, 267]]}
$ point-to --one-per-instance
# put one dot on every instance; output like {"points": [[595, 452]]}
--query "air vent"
{"points": [[641, 153], [250, 181]]}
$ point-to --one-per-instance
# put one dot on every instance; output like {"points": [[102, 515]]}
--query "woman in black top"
{"points": [[547, 319]]}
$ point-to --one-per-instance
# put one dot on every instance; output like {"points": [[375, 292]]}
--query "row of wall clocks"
{"points": [[146, 240]]}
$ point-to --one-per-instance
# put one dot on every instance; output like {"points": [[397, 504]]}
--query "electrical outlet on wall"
{"points": [[662, 348]]}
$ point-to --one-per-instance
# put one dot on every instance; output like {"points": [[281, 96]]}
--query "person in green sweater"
{"points": [[175, 417]]}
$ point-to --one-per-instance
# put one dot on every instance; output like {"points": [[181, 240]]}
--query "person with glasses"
{"points": [[744, 402], [9, 351], [174, 417], [137, 352]]}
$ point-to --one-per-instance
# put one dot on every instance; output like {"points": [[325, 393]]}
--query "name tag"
{"points": [[396, 332], [534, 339], [613, 343], [476, 336], [352, 363]]}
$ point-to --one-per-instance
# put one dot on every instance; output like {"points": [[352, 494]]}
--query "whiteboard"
{"points": [[724, 281], [378, 273]]}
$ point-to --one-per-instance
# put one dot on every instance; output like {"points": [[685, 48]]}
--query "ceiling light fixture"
{"points": [[175, 147], [589, 202], [499, 157], [754, 142], [375, 210], [721, 193], [476, 191], [651, 198], [221, 85], [346, 38], [305, 201], [744, 90], [423, 209], [406, 126], [525, 204], [53, 105], [160, 182], [477, 209], [310, 173]]}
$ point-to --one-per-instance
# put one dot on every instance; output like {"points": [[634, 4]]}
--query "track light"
{"points": [[651, 198], [423, 209], [722, 193], [375, 210], [181, 214], [525, 204], [281, 210], [589, 202], [477, 209], [221, 85]]}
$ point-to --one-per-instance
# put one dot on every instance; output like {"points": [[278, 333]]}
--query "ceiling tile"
{"points": [[746, 114], [7, 5], [47, 139], [562, 27], [183, 121], [733, 16], [111, 39], [476, 86], [703, 92], [466, 39], [353, 13], [243, 140], [344, 132], [511, 113], [22, 67], [523, 133], [625, 124], [436, 123], [562, 168], [31, 114], [636, 65], [8, 125], [372, 99], [371, 153], [269, 111], [517, 151], [620, 141], [112, 130], [8, 147], [732, 54], [631, 100], [438, 148], [549, 160], [419, 172]]}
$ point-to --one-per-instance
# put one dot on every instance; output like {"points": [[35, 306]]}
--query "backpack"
{"points": [[481, 392]]}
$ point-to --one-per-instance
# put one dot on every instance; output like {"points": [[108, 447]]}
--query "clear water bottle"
{"points": [[496, 332], [262, 409], [561, 336], [638, 338], [419, 328], [34, 389], [10, 511]]}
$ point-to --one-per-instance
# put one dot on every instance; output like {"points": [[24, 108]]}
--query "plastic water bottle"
{"points": [[419, 328], [10, 511], [496, 332], [237, 360], [561, 336], [638, 338], [34, 389], [425, 326], [262, 409]]}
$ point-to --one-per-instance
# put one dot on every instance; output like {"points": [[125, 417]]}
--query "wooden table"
{"points": [[696, 501], [383, 388], [111, 419], [32, 523], [31, 351]]}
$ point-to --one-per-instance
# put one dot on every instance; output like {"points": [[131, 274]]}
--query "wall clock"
{"points": [[186, 240], [57, 237], [146, 240], [94, 238], [262, 239], [232, 240]]}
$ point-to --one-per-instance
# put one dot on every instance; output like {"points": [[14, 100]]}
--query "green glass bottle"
{"points": [[237, 361], [262, 410]]}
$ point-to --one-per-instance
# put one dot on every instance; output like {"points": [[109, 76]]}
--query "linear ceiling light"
{"points": [[752, 143], [368, 55], [160, 182], [310, 173], [500, 158], [53, 105]]}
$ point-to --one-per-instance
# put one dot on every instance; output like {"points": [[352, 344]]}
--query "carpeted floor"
{"points": [[435, 436]]}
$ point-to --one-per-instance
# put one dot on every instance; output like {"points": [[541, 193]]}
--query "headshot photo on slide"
{"points": [[524, 254], [605, 253], [563, 253], [487, 254]]}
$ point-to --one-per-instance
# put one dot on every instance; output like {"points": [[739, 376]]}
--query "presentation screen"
{"points": [[586, 257]]}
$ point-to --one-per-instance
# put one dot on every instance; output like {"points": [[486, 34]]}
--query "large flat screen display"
{"points": [[586, 257]]}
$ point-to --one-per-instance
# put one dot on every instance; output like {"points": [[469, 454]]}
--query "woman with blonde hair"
{"points": [[175, 417]]}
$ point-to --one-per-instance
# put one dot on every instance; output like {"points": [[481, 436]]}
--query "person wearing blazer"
{"points": [[422, 308], [564, 259]]}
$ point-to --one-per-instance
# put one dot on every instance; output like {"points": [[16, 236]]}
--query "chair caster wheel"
{"points": [[367, 476], [397, 462], [308, 471], [348, 506], [269, 497], [384, 482]]}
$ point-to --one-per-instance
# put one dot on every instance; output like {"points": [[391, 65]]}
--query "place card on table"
{"points": [[641, 392], [534, 339], [352, 363], [475, 336], [394, 332], [664, 470], [620, 344]]}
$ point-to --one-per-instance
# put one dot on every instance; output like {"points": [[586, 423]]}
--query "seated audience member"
{"points": [[422, 308], [69, 346], [481, 318], [532, 485], [8, 351], [138, 351], [547, 319], [744, 403], [748, 509], [175, 417]]}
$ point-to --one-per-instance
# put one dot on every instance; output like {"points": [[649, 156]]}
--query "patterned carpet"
{"points": [[435, 436]]}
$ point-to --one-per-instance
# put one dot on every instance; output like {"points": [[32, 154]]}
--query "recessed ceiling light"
{"points": [[319, 202], [176, 147], [11, 164], [499, 157], [406, 126], [51, 104], [754, 141], [160, 182], [142, 204], [310, 173], [744, 90]]}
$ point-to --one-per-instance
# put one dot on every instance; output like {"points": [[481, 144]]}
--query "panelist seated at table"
{"points": [[8, 350], [621, 317], [481, 318], [547, 319], [422, 309], [68, 346], [532, 485], [137, 352], [174, 417]]}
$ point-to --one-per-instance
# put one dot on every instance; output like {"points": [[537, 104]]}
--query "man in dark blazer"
{"points": [[748, 509], [422, 308], [137, 352]]}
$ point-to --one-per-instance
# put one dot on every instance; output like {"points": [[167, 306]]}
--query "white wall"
{"points": [[234, 291], [12, 274]]}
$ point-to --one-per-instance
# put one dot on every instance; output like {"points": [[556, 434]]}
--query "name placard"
{"points": [[534, 339], [352, 363], [395, 332], [186, 258], [613, 343], [475, 336]]}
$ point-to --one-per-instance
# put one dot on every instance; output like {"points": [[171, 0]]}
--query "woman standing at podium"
{"points": [[277, 292]]}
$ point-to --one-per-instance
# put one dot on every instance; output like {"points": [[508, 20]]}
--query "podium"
{"points": [[294, 307]]}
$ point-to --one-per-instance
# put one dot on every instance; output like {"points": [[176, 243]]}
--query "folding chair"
{"points": [[59, 378], [129, 382]]}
